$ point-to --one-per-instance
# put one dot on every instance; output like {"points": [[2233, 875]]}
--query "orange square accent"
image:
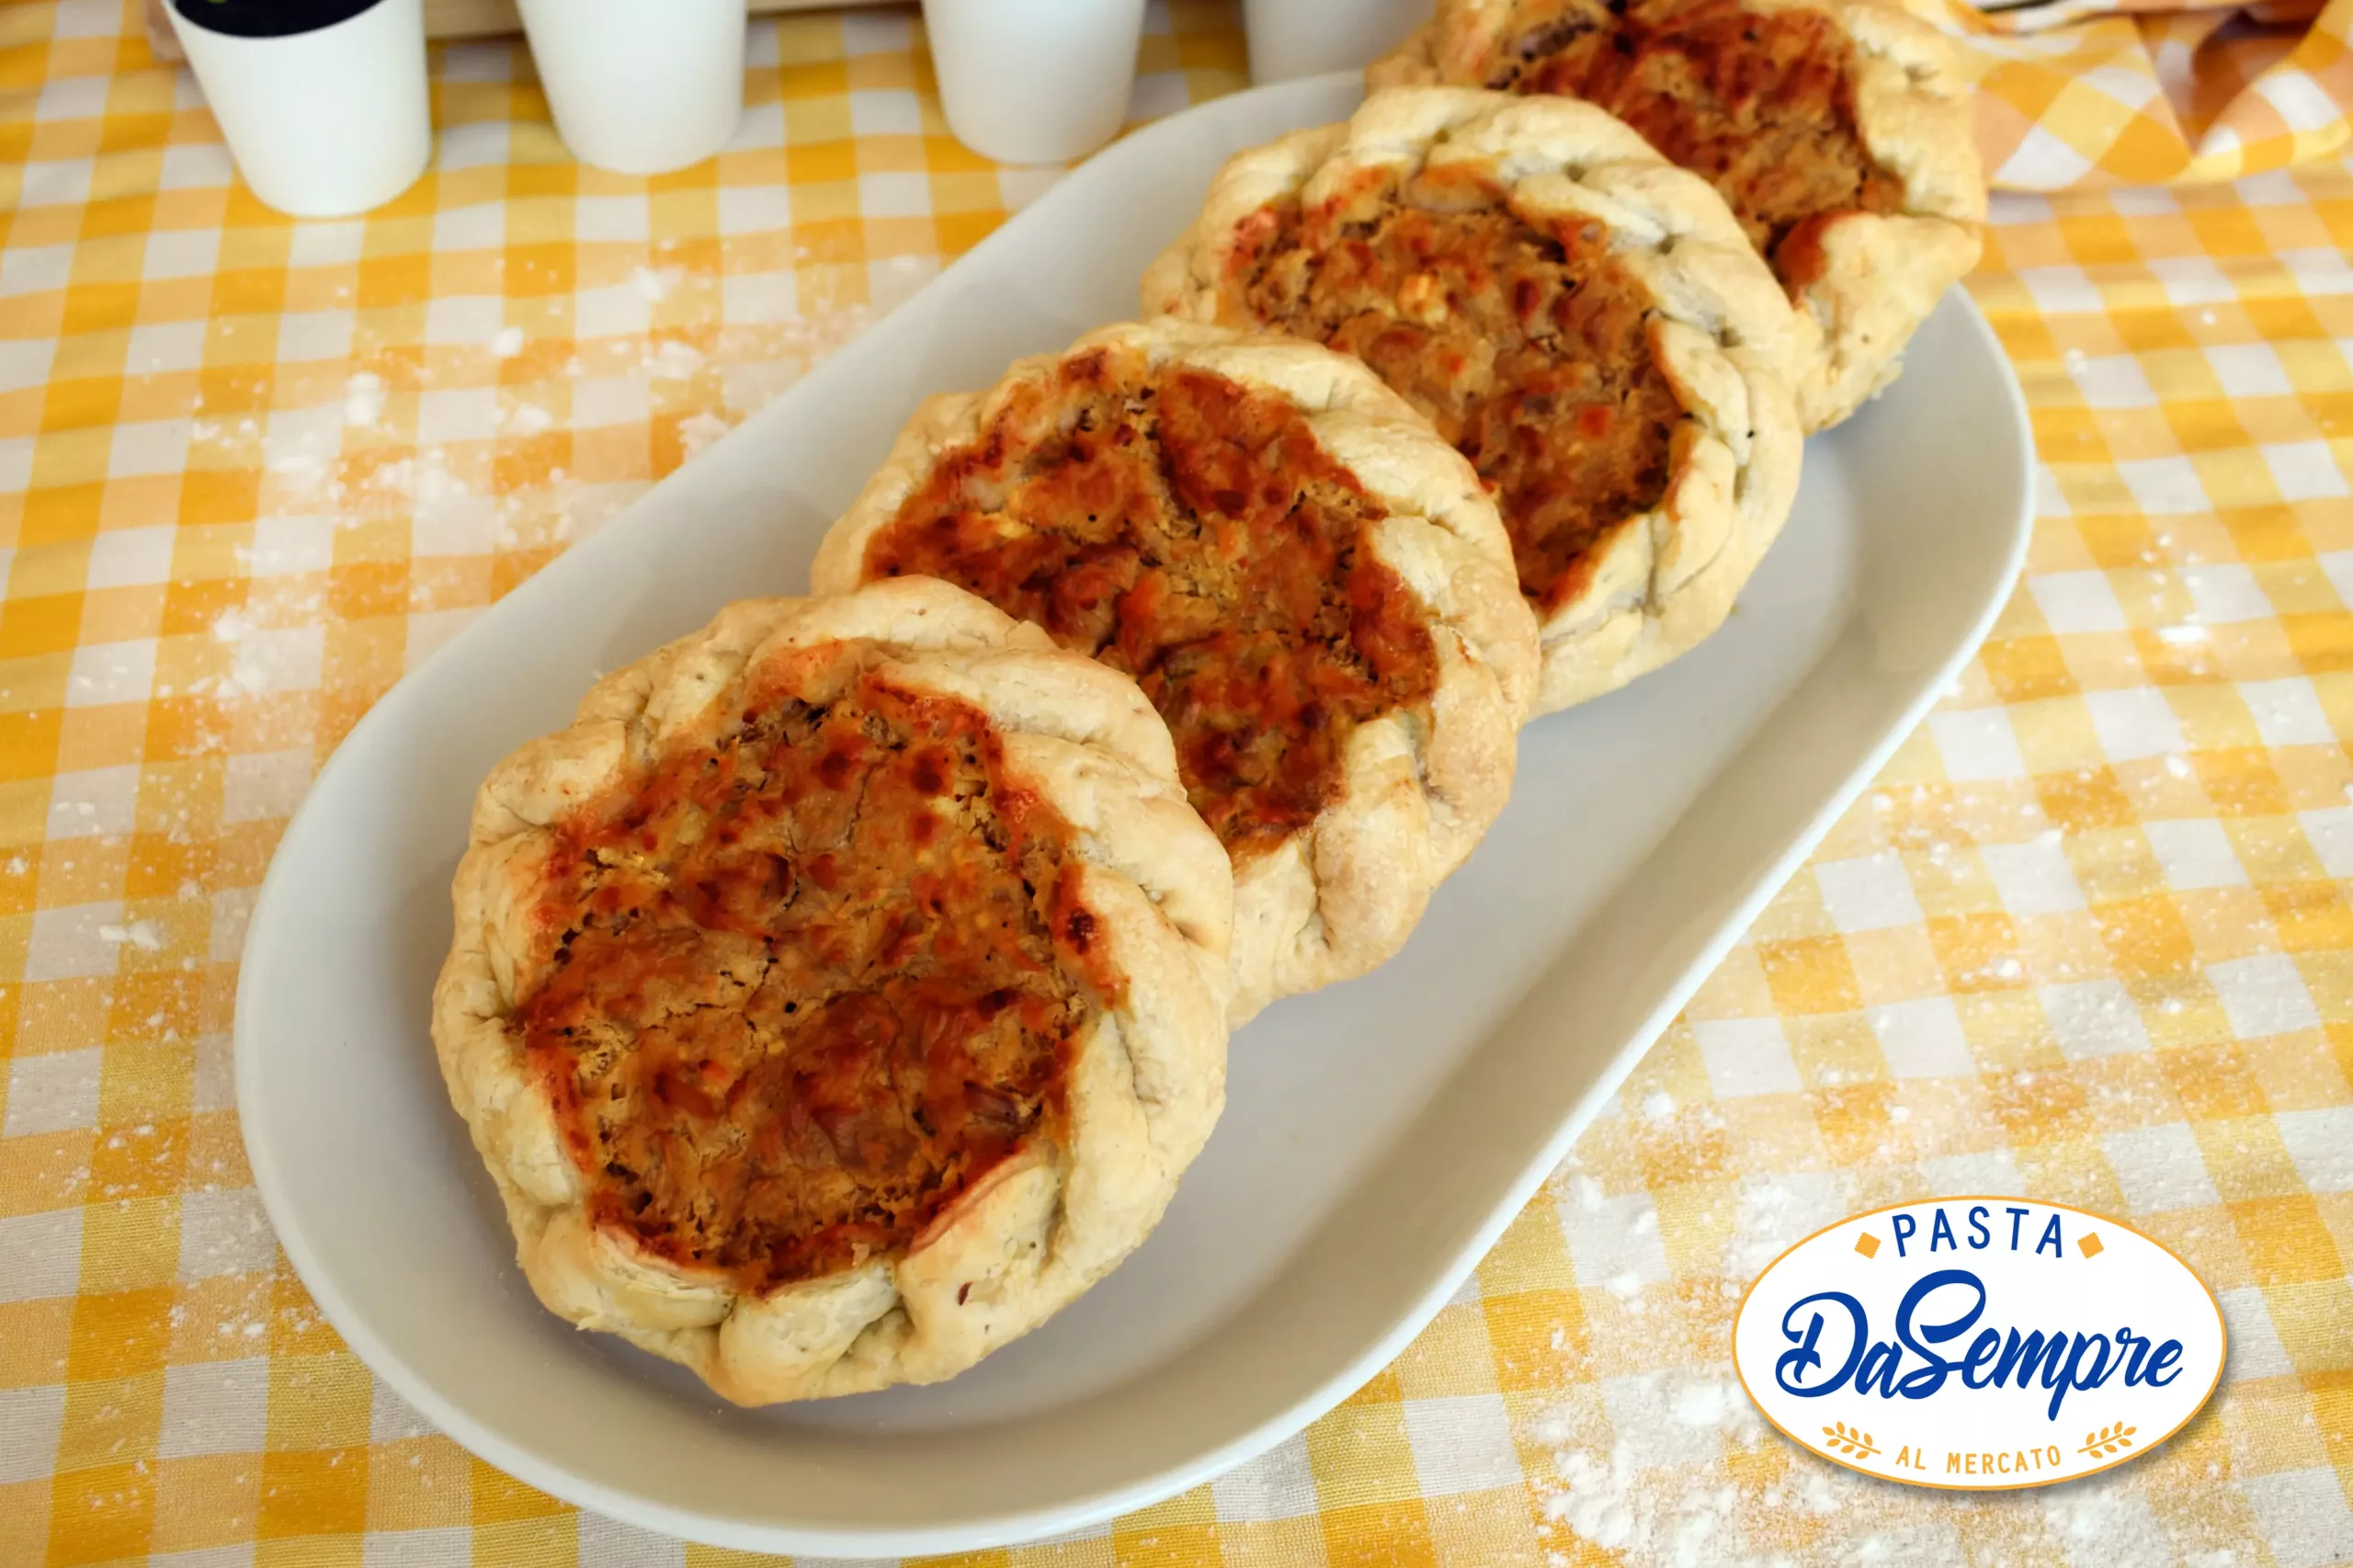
{"points": [[2241, 782], [218, 495], [1377, 1535], [959, 231], [2084, 801], [24, 1519], [54, 513], [2287, 1241], [1868, 1244], [2023, 669], [100, 307], [34, 1338], [1810, 974], [153, 1165], [538, 269], [2146, 936], [112, 1510], [1853, 1120], [119, 1335], [29, 744], [1539, 1340], [2090, 1245], [32, 627], [322, 1491], [387, 280], [366, 588], [1979, 952], [249, 291]]}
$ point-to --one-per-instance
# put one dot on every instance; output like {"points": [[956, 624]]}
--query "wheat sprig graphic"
{"points": [[2108, 1440], [1852, 1441]]}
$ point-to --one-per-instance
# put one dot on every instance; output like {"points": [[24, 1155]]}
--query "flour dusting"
{"points": [[141, 934], [699, 430], [674, 361], [1672, 1466], [363, 399]]}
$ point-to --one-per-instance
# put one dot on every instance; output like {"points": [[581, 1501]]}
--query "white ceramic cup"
{"points": [[1034, 81], [639, 87], [1308, 37], [323, 123]]}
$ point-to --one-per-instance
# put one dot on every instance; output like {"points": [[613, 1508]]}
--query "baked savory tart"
{"points": [[1586, 322], [1312, 588], [1838, 132], [841, 994]]}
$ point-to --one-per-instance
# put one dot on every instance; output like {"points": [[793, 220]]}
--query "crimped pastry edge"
{"points": [[1722, 334], [1146, 1081], [1883, 272], [1344, 894]]}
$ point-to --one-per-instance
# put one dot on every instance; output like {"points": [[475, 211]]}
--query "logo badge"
{"points": [[1980, 1344]]}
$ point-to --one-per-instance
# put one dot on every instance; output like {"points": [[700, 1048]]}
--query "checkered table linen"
{"points": [[2087, 938], [2144, 92]]}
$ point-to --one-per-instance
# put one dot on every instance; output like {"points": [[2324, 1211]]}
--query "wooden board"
{"points": [[474, 18]]}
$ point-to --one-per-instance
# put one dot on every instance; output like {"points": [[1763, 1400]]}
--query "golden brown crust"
{"points": [[1336, 898], [1721, 331], [1879, 274], [1146, 1079]]}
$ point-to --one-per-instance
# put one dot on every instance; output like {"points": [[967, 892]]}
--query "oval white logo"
{"points": [[1979, 1343]]}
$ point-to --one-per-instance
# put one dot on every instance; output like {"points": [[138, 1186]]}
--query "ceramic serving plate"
{"points": [[1376, 1136]]}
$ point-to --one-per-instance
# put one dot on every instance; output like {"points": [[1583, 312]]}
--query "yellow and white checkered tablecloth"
{"points": [[2087, 938], [2140, 92]]}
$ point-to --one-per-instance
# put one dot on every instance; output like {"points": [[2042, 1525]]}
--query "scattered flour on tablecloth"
{"points": [[363, 399], [1636, 1466], [1679, 1514], [144, 935], [700, 430], [673, 360]]}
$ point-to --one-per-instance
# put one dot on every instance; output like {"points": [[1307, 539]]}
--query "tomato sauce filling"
{"points": [[811, 980], [1762, 105], [1530, 348], [1192, 533]]}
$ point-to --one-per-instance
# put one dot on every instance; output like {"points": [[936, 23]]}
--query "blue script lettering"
{"points": [[2062, 1362], [1790, 1370]]}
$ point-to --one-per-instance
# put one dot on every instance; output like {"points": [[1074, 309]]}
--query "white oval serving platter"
{"points": [[1377, 1136]]}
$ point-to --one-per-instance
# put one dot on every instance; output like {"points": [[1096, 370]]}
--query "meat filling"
{"points": [[1760, 104], [1190, 533], [812, 982], [1528, 349]]}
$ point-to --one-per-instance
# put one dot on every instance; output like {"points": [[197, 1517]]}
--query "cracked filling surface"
{"points": [[1530, 348], [1760, 104], [813, 977], [1187, 531]]}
